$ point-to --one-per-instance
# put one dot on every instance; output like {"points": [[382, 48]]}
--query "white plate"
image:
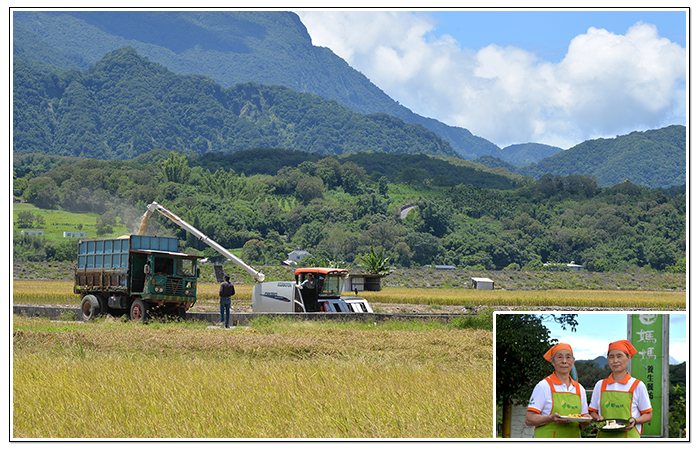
{"points": [[577, 419]]}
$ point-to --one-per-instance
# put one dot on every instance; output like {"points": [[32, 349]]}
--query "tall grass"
{"points": [[51, 292], [276, 379], [564, 298]]}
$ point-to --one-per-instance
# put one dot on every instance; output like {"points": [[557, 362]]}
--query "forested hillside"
{"points": [[230, 47], [125, 106], [653, 158], [339, 208], [523, 154], [62, 107]]}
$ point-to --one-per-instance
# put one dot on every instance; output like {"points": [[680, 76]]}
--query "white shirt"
{"points": [[541, 400], [640, 397]]}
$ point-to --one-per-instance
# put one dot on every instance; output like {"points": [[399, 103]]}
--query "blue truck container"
{"points": [[138, 275]]}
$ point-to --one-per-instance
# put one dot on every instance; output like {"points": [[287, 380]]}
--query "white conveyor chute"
{"points": [[259, 277]]}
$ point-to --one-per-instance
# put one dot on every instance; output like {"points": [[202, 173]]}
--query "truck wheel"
{"points": [[138, 312], [89, 307]]}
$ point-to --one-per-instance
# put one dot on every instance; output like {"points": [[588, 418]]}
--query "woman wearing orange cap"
{"points": [[620, 396], [556, 397]]}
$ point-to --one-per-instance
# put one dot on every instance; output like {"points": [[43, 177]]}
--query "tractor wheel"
{"points": [[138, 312], [89, 307]]}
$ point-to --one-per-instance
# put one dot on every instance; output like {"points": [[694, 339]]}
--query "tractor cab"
{"points": [[319, 284]]}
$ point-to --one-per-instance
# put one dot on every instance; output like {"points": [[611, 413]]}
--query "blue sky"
{"points": [[596, 330], [548, 33], [553, 77]]}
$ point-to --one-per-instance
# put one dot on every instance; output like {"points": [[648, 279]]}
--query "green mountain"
{"points": [[217, 86], [523, 154], [269, 47], [654, 158], [125, 106]]}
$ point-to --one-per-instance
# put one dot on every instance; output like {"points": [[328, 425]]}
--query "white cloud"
{"points": [[607, 84]]}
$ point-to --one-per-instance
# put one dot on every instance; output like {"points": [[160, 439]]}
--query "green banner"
{"points": [[646, 335]]}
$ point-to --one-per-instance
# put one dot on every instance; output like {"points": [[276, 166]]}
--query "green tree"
{"points": [[25, 219], [254, 252], [434, 218], [65, 250], [424, 246], [106, 222], [176, 168], [42, 192], [309, 188]]}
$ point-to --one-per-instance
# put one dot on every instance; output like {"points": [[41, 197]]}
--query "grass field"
{"points": [[57, 221], [277, 379], [52, 292]]}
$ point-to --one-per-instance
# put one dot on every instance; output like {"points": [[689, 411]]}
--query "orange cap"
{"points": [[623, 345], [550, 353]]}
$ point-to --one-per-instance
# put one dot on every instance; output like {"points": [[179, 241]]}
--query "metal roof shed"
{"points": [[482, 283]]}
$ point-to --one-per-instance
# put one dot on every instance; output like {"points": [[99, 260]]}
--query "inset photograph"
{"points": [[590, 375]]}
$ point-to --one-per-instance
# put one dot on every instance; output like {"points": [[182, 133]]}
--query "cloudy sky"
{"points": [[553, 77]]}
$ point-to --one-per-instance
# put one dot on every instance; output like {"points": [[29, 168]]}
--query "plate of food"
{"points": [[577, 418], [612, 424]]}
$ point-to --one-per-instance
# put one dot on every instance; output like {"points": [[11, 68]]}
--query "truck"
{"points": [[135, 275], [145, 275]]}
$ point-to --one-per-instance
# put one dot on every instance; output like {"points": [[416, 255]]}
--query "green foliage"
{"points": [[652, 158], [270, 47], [521, 342], [125, 106], [176, 169], [482, 321], [588, 373], [374, 263], [309, 206]]}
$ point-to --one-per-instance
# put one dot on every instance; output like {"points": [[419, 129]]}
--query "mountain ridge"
{"points": [[126, 105], [273, 48], [310, 69]]}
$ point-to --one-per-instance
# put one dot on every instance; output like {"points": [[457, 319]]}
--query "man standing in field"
{"points": [[225, 292]]}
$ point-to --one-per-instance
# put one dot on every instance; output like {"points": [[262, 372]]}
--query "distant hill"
{"points": [[654, 158], [523, 154], [494, 161], [126, 105], [230, 47], [393, 166]]}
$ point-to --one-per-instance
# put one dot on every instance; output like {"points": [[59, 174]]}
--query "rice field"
{"points": [[60, 292], [277, 379], [109, 379]]}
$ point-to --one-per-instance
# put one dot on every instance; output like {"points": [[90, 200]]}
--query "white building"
{"points": [[575, 267], [74, 234], [482, 283], [32, 233], [294, 257]]}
